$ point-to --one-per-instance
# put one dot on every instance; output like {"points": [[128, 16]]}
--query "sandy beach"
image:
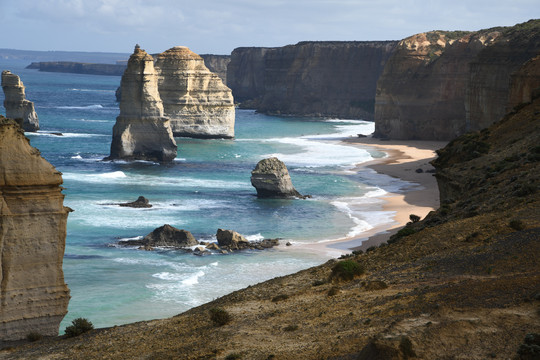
{"points": [[404, 158]]}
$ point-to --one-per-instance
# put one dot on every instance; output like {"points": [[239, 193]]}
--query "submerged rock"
{"points": [[167, 236], [194, 98], [271, 179], [141, 131], [17, 107], [141, 202], [33, 294]]}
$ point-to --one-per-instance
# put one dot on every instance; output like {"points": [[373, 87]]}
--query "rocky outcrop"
{"points": [[230, 239], [33, 294], [441, 84], [324, 79], [271, 179], [141, 131], [421, 92], [79, 68], [525, 83], [17, 107], [217, 64], [195, 99], [166, 236], [141, 202]]}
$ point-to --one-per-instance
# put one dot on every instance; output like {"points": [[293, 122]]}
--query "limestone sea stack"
{"points": [[271, 179], [33, 294], [194, 98], [17, 107], [141, 131]]}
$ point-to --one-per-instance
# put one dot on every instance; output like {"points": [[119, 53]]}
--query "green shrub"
{"points": [[280, 297], [291, 328], [347, 270], [34, 336], [220, 316], [517, 224], [406, 231], [78, 326], [318, 283], [414, 218]]}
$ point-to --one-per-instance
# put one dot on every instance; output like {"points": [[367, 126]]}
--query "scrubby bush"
{"points": [[334, 290], [78, 326], [34, 336], [280, 297], [375, 285], [406, 231], [291, 328], [347, 270], [414, 218], [220, 316], [517, 224]]}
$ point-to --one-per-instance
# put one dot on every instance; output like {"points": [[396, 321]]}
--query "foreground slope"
{"points": [[463, 284]]}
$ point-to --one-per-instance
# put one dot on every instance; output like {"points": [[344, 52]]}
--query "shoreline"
{"points": [[403, 159]]}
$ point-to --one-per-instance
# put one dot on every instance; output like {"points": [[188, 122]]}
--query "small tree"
{"points": [[414, 218], [78, 326]]}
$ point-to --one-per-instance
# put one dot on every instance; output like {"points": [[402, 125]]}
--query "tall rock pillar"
{"points": [[17, 107], [141, 131], [33, 294]]}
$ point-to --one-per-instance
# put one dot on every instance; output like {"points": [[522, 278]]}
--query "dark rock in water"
{"points": [[141, 202], [231, 240], [165, 235], [271, 179], [57, 134], [419, 171]]}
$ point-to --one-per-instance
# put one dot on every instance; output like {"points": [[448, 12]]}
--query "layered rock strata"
{"points": [[17, 107], [217, 64], [194, 98], [441, 84], [323, 79], [271, 179], [33, 294], [141, 131], [525, 83]]}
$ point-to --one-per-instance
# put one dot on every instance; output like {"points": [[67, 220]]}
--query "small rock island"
{"points": [[271, 179]]}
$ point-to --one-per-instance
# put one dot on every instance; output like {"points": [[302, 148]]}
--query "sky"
{"points": [[219, 26]]}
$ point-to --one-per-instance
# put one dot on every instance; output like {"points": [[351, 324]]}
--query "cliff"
{"points": [[441, 84], [195, 99], [217, 64], [327, 79], [33, 295], [15, 103], [462, 283], [525, 83], [141, 131], [79, 68]]}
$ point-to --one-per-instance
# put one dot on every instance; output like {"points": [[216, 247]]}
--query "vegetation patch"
{"points": [[280, 297], [291, 328], [375, 285], [347, 270], [220, 316], [34, 336], [78, 326]]}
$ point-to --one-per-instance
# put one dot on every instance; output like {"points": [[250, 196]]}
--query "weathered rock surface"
{"points": [[231, 240], [217, 64], [310, 78], [141, 202], [33, 294], [17, 107], [195, 99], [166, 236], [441, 84], [525, 83], [271, 179], [141, 131]]}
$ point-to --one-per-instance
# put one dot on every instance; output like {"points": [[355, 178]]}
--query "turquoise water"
{"points": [[206, 188]]}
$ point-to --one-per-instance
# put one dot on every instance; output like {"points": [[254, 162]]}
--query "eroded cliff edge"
{"points": [[323, 79], [33, 294], [441, 84]]}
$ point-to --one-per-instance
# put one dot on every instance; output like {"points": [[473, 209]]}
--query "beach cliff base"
{"points": [[462, 283]]}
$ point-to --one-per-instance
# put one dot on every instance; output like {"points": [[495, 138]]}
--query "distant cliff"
{"points": [[79, 68], [310, 78], [33, 294], [217, 64], [441, 84]]}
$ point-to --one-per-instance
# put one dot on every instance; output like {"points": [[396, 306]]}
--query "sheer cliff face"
{"points": [[33, 295], [194, 98], [490, 73], [17, 107], [310, 78], [439, 85], [525, 83], [141, 131], [421, 92], [217, 64]]}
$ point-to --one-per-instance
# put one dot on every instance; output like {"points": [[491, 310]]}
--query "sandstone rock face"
{"points": [[310, 78], [17, 107], [421, 92], [33, 294], [525, 83], [271, 179], [194, 98], [217, 64], [141, 131], [165, 235]]}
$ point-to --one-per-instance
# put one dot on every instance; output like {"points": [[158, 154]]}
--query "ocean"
{"points": [[207, 187]]}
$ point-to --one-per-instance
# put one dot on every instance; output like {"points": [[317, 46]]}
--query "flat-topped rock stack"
{"points": [[194, 98], [17, 107]]}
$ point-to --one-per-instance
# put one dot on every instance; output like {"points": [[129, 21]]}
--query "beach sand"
{"points": [[403, 159]]}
